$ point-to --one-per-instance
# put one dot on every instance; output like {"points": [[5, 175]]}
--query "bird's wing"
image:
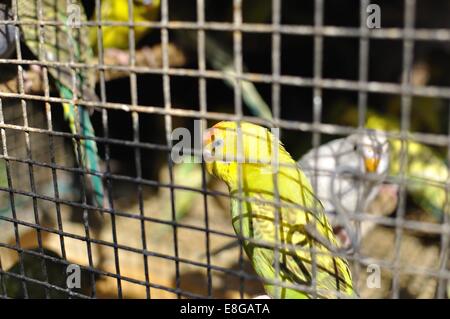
{"points": [[64, 41], [296, 258], [427, 174], [321, 165], [332, 150]]}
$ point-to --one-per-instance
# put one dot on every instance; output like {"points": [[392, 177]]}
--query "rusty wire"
{"points": [[318, 83]]}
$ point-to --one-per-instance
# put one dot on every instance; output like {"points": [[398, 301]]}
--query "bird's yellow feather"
{"points": [[115, 36], [301, 232]]}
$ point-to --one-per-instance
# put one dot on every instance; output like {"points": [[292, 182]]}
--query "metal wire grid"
{"points": [[408, 35]]}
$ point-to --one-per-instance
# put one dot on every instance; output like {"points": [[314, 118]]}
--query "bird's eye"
{"points": [[217, 143]]}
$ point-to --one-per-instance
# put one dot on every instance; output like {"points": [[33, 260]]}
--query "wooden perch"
{"points": [[150, 57], [145, 57]]}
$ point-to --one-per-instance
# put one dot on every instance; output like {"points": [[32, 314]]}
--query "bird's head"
{"points": [[373, 148], [226, 144]]}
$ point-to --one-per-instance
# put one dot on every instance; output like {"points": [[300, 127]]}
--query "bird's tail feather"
{"points": [[89, 154], [222, 60]]}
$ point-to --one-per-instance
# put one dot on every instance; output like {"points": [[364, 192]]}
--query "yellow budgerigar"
{"points": [[305, 263], [117, 37]]}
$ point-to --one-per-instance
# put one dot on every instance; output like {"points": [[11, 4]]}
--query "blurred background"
{"points": [[165, 235]]}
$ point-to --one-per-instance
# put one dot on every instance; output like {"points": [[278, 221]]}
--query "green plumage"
{"points": [[302, 225], [427, 173], [64, 41]]}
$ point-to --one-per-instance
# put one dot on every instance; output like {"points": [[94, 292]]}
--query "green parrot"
{"points": [[302, 224], [66, 42]]}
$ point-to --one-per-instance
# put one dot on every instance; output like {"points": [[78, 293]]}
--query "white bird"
{"points": [[347, 174]]}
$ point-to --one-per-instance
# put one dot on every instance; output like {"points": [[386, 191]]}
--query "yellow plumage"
{"points": [[302, 227], [117, 11]]}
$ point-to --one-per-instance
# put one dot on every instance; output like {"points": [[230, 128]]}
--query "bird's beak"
{"points": [[371, 164]]}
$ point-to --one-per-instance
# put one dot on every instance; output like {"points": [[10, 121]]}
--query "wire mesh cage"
{"points": [[96, 96]]}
